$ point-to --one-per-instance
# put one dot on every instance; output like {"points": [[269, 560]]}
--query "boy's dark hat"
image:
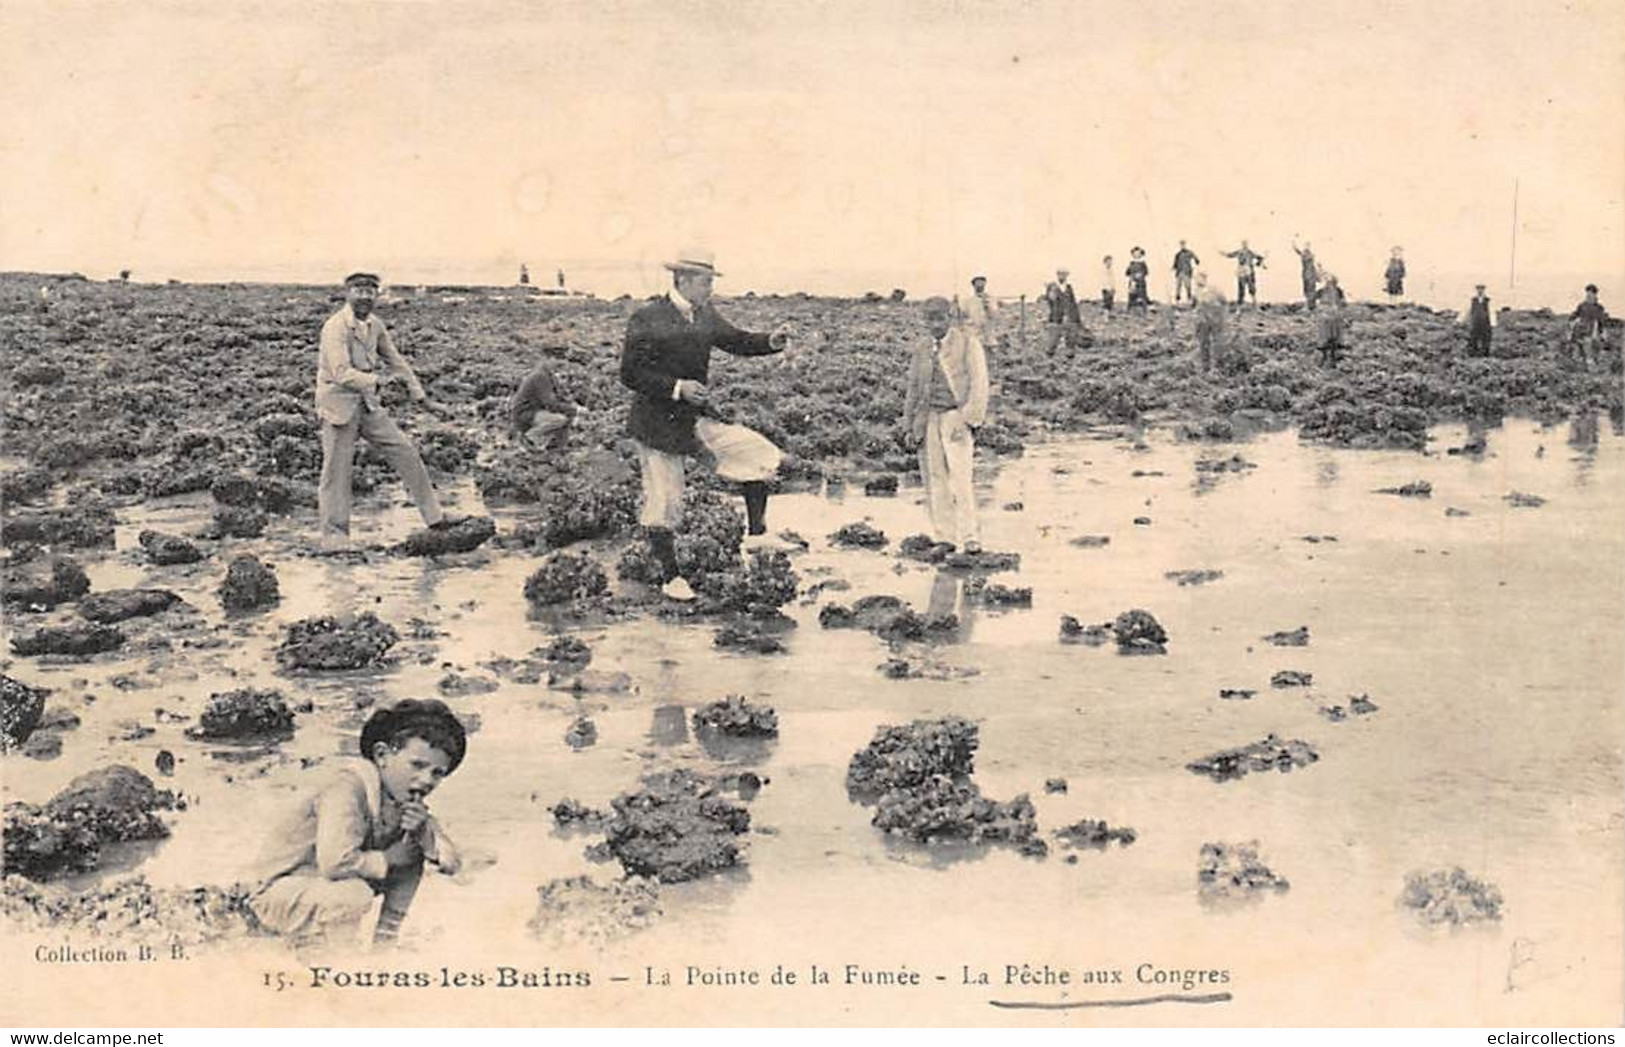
{"points": [[1591, 288], [385, 724], [359, 279]]}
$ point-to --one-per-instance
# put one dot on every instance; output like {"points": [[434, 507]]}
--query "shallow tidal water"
{"points": [[1491, 643]]}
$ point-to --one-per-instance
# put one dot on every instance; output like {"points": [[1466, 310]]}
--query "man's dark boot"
{"points": [[756, 507], [663, 544]]}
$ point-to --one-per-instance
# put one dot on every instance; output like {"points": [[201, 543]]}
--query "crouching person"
{"points": [[364, 834], [539, 414], [945, 403]]}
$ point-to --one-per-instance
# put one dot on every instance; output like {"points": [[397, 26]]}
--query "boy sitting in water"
{"points": [[365, 833]]}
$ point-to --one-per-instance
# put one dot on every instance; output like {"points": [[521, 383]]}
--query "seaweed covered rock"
{"points": [[1137, 632], [1292, 678], [41, 585], [575, 509], [328, 643], [580, 910], [231, 521], [573, 812], [1414, 489], [992, 594], [249, 585], [1196, 576], [20, 708], [463, 536], [1075, 631], [1298, 637], [924, 548], [1227, 870], [167, 550], [749, 639], [1271, 754], [78, 640], [737, 717], [87, 525], [248, 713], [583, 733], [888, 618], [128, 910], [110, 805], [675, 828], [117, 605], [566, 650], [984, 560], [1091, 833], [765, 583], [858, 535], [942, 808], [1450, 896], [907, 756], [880, 486], [564, 577]]}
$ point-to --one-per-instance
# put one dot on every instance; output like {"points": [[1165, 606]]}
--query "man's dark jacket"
{"points": [[662, 347]]}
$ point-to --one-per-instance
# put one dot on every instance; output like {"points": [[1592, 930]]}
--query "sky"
{"points": [[829, 147]]}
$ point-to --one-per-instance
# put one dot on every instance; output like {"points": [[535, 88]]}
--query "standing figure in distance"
{"points": [[1138, 272], [1333, 324], [1108, 285], [1394, 276], [1065, 325], [1248, 262], [980, 310], [1210, 308], [946, 402], [1587, 325], [1311, 274], [1185, 263], [1480, 321]]}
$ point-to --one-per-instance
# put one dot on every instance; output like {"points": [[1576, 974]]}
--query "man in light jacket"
{"points": [[357, 356], [946, 402]]}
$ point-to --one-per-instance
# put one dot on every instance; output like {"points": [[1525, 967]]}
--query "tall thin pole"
{"points": [[1512, 266]]}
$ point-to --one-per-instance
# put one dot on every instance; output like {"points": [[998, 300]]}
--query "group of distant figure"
{"points": [[1322, 294]]}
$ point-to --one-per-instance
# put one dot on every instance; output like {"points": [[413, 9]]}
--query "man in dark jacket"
{"points": [[1479, 323], [666, 363], [1065, 324]]}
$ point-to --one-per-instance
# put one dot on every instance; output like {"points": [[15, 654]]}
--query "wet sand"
{"points": [[1489, 642]]}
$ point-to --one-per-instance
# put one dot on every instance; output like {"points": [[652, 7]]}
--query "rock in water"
{"points": [[904, 757], [464, 536], [84, 526], [858, 535], [36, 586], [244, 714], [1138, 632], [249, 585], [676, 828], [168, 549], [1450, 896], [1226, 870], [68, 639], [110, 805], [117, 605], [581, 910], [738, 718], [1271, 754], [564, 577], [328, 643], [20, 709]]}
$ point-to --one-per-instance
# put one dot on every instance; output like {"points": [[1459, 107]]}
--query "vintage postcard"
{"points": [[699, 514]]}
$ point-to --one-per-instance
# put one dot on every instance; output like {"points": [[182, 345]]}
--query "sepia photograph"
{"points": [[950, 513]]}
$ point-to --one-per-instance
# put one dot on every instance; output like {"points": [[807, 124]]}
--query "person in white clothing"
{"points": [[945, 404]]}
